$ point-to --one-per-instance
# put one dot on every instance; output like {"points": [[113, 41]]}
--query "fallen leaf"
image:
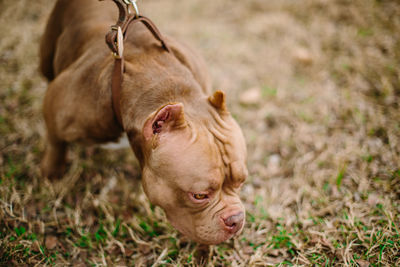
{"points": [[251, 96], [128, 252], [363, 263], [144, 249], [248, 250], [35, 246], [303, 56], [51, 242], [274, 253]]}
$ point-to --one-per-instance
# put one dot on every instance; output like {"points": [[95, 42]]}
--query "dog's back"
{"points": [[70, 25], [48, 42]]}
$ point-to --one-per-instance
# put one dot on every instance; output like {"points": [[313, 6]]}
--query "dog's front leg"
{"points": [[54, 159]]}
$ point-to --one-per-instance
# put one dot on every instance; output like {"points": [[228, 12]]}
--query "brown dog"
{"points": [[191, 151]]}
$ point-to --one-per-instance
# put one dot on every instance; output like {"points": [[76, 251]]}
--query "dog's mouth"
{"points": [[215, 236]]}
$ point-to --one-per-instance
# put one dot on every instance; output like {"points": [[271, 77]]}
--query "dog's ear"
{"points": [[217, 100], [168, 118]]}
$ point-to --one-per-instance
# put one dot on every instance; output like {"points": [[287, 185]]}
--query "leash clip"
{"points": [[134, 5]]}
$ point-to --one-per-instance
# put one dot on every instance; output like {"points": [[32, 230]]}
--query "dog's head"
{"points": [[194, 167]]}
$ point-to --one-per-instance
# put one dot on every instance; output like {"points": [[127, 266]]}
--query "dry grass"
{"points": [[323, 140]]}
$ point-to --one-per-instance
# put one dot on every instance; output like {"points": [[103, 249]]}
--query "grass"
{"points": [[323, 141]]}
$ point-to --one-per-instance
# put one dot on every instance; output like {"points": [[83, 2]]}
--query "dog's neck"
{"points": [[157, 86]]}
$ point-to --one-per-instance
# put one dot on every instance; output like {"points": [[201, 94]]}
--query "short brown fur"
{"points": [[184, 141]]}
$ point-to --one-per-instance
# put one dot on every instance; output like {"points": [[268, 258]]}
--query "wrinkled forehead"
{"points": [[205, 155], [195, 152], [229, 138]]}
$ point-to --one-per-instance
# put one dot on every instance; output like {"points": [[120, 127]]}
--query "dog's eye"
{"points": [[200, 196]]}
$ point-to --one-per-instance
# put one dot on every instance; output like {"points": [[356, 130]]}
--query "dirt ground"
{"points": [[315, 86]]}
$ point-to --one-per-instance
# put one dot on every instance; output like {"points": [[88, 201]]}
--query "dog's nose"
{"points": [[234, 222]]}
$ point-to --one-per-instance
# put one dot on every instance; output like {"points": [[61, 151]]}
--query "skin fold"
{"points": [[191, 151]]}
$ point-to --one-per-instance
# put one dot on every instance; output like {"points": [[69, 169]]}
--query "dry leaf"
{"points": [[51, 242], [363, 263], [251, 96], [248, 250], [302, 56], [144, 249]]}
